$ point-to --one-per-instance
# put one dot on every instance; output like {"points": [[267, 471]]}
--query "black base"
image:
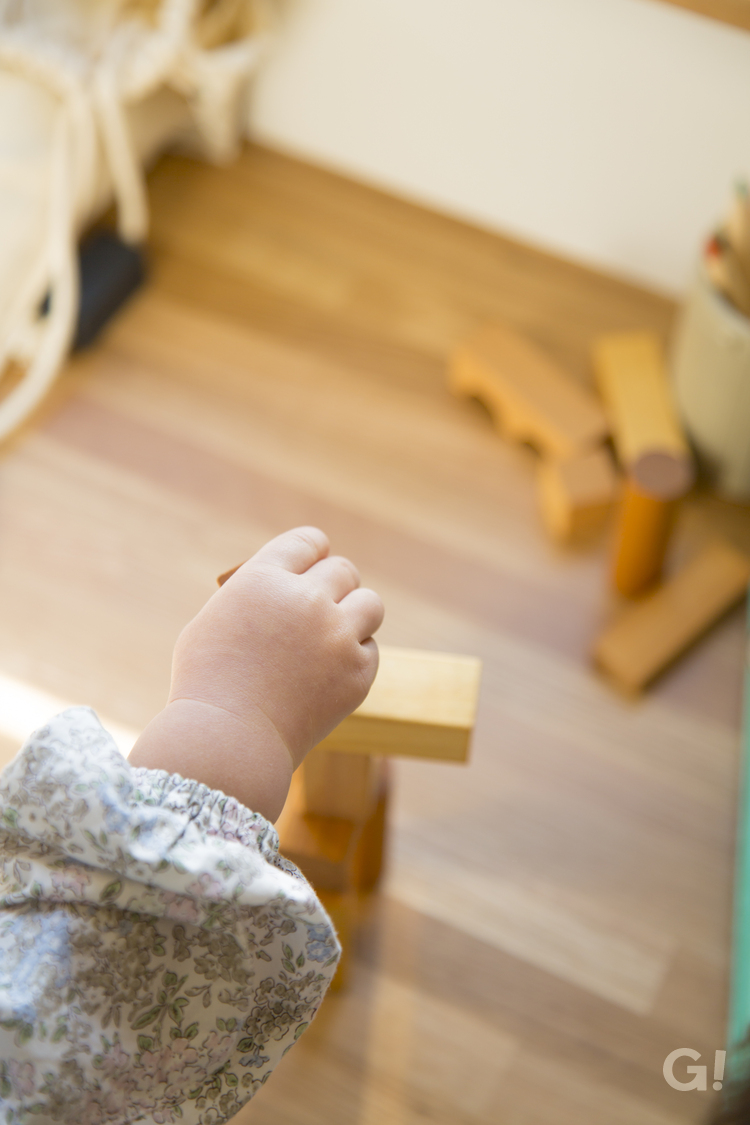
{"points": [[110, 272]]}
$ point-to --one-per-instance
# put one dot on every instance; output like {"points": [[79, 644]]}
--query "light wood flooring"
{"points": [[555, 919]]}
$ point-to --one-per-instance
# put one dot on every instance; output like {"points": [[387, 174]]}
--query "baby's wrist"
{"points": [[244, 758]]}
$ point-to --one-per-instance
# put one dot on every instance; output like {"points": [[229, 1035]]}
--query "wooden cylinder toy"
{"points": [[647, 512], [643, 534], [652, 450]]}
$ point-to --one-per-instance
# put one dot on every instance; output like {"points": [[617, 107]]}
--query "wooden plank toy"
{"points": [[333, 825], [652, 634], [422, 705], [651, 448], [529, 396], [576, 494]]}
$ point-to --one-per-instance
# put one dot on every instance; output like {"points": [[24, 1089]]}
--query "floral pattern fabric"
{"points": [[157, 955]]}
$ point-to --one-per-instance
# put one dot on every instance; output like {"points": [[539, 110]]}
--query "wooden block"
{"points": [[652, 449], [370, 858], [228, 573], [341, 908], [648, 637], [335, 854], [323, 847], [644, 527], [576, 494], [340, 784], [634, 385], [529, 396], [422, 705], [341, 858]]}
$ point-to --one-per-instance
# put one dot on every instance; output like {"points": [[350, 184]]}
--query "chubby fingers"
{"points": [[336, 575], [365, 612], [296, 550], [372, 660]]}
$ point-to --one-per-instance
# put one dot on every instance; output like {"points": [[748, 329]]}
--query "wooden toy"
{"points": [[335, 783], [325, 849], [336, 854], [354, 860], [333, 825], [529, 396], [633, 383], [422, 705], [341, 857], [371, 850], [651, 448], [576, 494], [652, 634], [644, 527]]}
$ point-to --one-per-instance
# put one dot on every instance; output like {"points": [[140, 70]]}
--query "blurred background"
{"points": [[608, 132]]}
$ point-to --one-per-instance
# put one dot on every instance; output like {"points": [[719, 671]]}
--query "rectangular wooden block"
{"points": [[339, 784], [370, 859], [341, 907], [335, 854], [576, 494], [323, 847], [659, 628], [529, 396], [634, 385], [422, 705]]}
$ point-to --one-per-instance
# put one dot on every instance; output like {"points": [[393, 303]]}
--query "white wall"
{"points": [[606, 130]]}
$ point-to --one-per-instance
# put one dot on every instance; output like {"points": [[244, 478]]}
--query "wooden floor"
{"points": [[555, 918]]}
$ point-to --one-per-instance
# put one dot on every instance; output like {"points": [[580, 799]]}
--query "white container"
{"points": [[711, 372]]}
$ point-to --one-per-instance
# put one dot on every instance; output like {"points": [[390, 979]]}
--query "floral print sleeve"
{"points": [[157, 955]]}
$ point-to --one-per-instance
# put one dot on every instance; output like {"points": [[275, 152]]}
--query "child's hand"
{"points": [[290, 635], [272, 663]]}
